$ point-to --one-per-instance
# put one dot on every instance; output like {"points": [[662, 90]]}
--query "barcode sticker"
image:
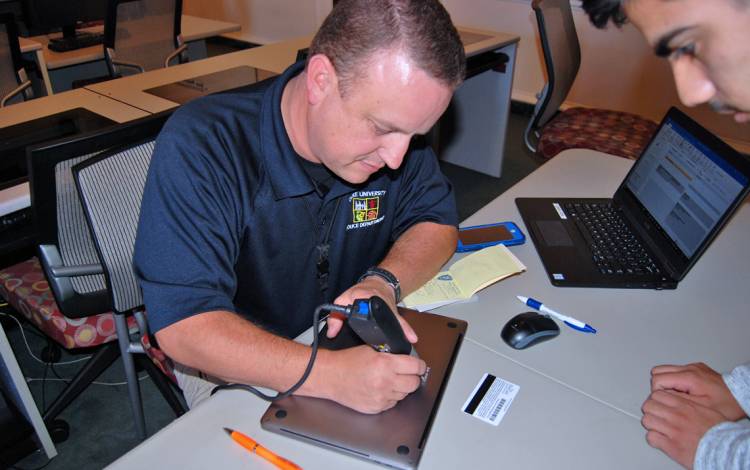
{"points": [[491, 399]]}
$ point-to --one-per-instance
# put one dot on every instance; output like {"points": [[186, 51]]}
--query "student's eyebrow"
{"points": [[662, 47]]}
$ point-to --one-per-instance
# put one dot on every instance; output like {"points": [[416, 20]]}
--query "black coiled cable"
{"points": [[310, 363]]}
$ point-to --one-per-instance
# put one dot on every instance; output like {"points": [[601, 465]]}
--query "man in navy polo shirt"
{"points": [[264, 202]]}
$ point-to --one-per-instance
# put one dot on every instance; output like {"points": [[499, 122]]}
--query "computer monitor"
{"points": [[47, 16]]}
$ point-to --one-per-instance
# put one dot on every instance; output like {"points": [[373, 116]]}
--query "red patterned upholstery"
{"points": [[613, 132], [159, 358], [25, 288]]}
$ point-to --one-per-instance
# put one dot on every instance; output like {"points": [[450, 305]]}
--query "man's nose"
{"points": [[393, 149], [693, 84]]}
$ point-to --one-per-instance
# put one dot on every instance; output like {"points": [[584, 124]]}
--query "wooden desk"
{"points": [[193, 29], [48, 105], [264, 61], [31, 46], [480, 106], [17, 197]]}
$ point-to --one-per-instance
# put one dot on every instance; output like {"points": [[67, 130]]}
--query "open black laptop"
{"points": [[673, 202]]}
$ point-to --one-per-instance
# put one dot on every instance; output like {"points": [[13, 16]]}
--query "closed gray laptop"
{"points": [[395, 437]]}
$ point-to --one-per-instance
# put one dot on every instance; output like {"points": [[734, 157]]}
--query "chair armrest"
{"points": [[78, 270], [14, 92], [174, 54], [129, 64]]}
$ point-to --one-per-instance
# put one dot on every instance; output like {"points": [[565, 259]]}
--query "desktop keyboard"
{"points": [[80, 41], [614, 247]]}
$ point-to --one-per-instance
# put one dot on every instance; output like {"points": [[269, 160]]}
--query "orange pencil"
{"points": [[251, 445]]}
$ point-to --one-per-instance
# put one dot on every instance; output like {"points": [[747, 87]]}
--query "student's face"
{"points": [[372, 124], [707, 43]]}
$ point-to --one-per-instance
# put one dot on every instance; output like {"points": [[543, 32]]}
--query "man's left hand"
{"points": [[370, 286]]}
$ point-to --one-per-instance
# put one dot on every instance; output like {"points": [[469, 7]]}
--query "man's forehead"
{"points": [[658, 19]]}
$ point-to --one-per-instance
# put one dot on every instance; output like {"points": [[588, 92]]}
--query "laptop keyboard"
{"points": [[615, 249]]}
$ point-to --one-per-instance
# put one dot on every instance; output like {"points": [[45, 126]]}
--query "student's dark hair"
{"points": [[602, 11], [356, 29]]}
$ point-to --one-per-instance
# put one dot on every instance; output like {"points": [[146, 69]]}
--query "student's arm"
{"points": [[227, 346], [725, 446]]}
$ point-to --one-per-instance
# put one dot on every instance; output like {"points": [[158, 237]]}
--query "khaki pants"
{"points": [[195, 385]]}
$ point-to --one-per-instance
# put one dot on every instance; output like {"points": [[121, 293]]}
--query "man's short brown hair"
{"points": [[356, 29]]}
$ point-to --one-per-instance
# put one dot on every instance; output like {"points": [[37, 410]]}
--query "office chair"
{"points": [[73, 306], [550, 130], [14, 83], [110, 186], [141, 35]]}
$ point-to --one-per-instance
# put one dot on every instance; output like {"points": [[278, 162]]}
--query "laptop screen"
{"points": [[686, 186]]}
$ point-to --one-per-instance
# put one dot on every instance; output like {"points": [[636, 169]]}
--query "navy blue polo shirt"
{"points": [[231, 221]]}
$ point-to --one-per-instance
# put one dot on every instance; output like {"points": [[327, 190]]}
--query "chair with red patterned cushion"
{"points": [[550, 130], [64, 294]]}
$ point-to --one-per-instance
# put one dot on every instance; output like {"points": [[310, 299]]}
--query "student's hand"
{"points": [[700, 384], [369, 381], [369, 286], [676, 424]]}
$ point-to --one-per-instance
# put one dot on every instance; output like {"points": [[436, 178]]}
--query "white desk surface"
{"points": [[704, 319], [547, 426], [269, 60], [81, 98], [193, 28]]}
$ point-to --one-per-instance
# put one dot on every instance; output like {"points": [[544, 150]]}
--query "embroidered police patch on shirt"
{"points": [[366, 209]]}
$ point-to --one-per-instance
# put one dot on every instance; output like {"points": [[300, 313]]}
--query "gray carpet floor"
{"points": [[100, 420]]}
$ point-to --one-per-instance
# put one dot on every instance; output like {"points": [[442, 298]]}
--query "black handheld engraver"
{"points": [[477, 237]]}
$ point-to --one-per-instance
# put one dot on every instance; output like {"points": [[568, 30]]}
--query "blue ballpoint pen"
{"points": [[570, 321]]}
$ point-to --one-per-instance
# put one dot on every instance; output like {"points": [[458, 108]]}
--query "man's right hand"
{"points": [[366, 380], [676, 424]]}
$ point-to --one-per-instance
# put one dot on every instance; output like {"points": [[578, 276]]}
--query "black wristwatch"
{"points": [[387, 276]]}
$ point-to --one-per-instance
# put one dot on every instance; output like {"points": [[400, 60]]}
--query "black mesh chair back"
{"points": [[111, 188], [562, 59], [141, 35], [14, 84], [66, 250]]}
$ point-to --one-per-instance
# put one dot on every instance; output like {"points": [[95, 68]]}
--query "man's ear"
{"points": [[321, 79]]}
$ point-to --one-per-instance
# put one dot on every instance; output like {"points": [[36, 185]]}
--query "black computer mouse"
{"points": [[527, 329]]}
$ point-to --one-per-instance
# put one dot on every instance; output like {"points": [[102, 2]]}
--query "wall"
{"points": [[264, 21], [618, 69]]}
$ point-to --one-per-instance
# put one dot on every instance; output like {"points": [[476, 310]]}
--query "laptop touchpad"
{"points": [[553, 233]]}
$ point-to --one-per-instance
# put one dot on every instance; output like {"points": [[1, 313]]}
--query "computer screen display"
{"points": [[46, 16], [686, 186]]}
